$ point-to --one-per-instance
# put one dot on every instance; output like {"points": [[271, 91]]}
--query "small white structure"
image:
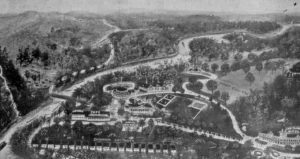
{"points": [[167, 87], [90, 116], [99, 66], [82, 71], [64, 78], [143, 109], [130, 125], [92, 68], [74, 74]]}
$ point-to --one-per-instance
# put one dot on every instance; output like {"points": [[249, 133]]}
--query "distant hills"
{"points": [[40, 29]]}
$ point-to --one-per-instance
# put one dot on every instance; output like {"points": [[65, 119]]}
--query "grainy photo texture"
{"points": [[149, 79]]}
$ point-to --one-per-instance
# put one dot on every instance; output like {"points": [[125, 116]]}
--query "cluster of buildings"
{"points": [[289, 136], [90, 116], [143, 109], [76, 74], [294, 72], [133, 106], [106, 146], [98, 117]]}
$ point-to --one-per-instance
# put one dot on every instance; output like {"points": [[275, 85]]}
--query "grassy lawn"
{"points": [[179, 106], [216, 120], [194, 111], [236, 85], [213, 119]]}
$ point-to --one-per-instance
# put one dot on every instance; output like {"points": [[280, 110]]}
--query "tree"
{"points": [[259, 66], [91, 130], [217, 94], [151, 123], [225, 96], [36, 53], [193, 79], [119, 126], [77, 92], [78, 128], [205, 67], [121, 111], [141, 123], [235, 66], [68, 107], [287, 102], [45, 58], [238, 57], [23, 57], [212, 85], [57, 120], [245, 65], [225, 68], [281, 64], [75, 41], [270, 65], [288, 148], [27, 74], [198, 85], [214, 67], [250, 78], [225, 56], [252, 57]]}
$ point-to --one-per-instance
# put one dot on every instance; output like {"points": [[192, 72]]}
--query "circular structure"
{"points": [[257, 153], [119, 89], [275, 154]]}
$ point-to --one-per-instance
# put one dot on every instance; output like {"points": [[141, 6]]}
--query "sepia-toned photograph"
{"points": [[150, 79]]}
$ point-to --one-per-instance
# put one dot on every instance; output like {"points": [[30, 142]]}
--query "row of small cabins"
{"points": [[90, 116], [68, 77], [103, 146], [104, 116]]}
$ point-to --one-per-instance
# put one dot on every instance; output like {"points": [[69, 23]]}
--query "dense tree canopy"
{"points": [[212, 85]]}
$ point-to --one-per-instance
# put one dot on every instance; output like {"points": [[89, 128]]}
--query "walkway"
{"points": [[206, 133]]}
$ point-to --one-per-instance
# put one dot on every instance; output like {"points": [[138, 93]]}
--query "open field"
{"points": [[236, 85]]}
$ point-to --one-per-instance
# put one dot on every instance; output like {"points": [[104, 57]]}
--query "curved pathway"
{"points": [[183, 55], [187, 91], [206, 133]]}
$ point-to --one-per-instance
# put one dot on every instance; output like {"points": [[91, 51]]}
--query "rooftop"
{"points": [[296, 68]]}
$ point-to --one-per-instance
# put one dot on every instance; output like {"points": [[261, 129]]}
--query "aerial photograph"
{"points": [[150, 79]]}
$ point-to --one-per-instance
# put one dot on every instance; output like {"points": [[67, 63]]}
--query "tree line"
{"points": [[194, 26], [262, 109], [25, 98]]}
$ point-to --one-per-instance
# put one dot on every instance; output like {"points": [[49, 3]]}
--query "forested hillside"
{"points": [[25, 97], [262, 109], [189, 24], [7, 112], [45, 45], [140, 45]]}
